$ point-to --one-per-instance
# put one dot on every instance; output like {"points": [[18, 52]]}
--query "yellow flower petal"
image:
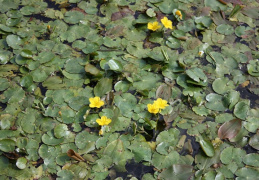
{"points": [[167, 23], [101, 132], [178, 13], [96, 102], [103, 121], [153, 108], [201, 53], [161, 103], [153, 26]]}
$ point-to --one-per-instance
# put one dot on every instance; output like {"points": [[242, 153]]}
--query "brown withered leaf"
{"points": [[230, 129], [123, 12], [234, 1], [246, 83], [164, 91], [72, 154], [116, 31]]}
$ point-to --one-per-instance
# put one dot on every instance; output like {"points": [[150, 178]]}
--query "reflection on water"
{"points": [[133, 170]]}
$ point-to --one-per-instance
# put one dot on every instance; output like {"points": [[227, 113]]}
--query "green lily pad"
{"points": [[14, 41], [7, 145], [26, 53], [165, 161], [118, 152], [252, 159], [126, 102], [26, 81], [49, 139], [146, 82], [231, 98], [122, 86], [150, 12], [241, 109], [103, 87], [197, 75], [85, 140], [73, 17], [166, 139], [115, 65], [173, 43], [4, 84], [251, 124], [225, 29], [231, 155], [215, 102], [60, 130], [222, 85], [141, 151], [254, 141], [253, 68], [4, 56], [203, 22], [21, 163], [247, 173], [177, 172]]}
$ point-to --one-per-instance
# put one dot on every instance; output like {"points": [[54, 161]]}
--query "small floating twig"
{"points": [[223, 2]]}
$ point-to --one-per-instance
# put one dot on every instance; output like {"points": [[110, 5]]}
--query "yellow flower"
{"points": [[201, 53], [96, 102], [161, 104], [167, 23], [101, 132], [153, 108], [153, 26], [103, 121], [178, 13]]}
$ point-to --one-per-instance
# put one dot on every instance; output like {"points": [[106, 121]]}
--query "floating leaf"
{"points": [[252, 159], [122, 86], [60, 130], [7, 145], [253, 68], [103, 87], [230, 129], [49, 139], [241, 109], [214, 102], [232, 156], [247, 173], [177, 172], [231, 98], [14, 41], [165, 161], [21, 163], [26, 53], [117, 151], [225, 29], [254, 141], [222, 85], [115, 65], [207, 147]]}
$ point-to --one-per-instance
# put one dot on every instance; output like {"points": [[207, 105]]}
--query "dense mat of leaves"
{"points": [[91, 88]]}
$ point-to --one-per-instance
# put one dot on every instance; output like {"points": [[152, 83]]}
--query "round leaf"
{"points": [[60, 130], [14, 41], [225, 29], [21, 163], [7, 145]]}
